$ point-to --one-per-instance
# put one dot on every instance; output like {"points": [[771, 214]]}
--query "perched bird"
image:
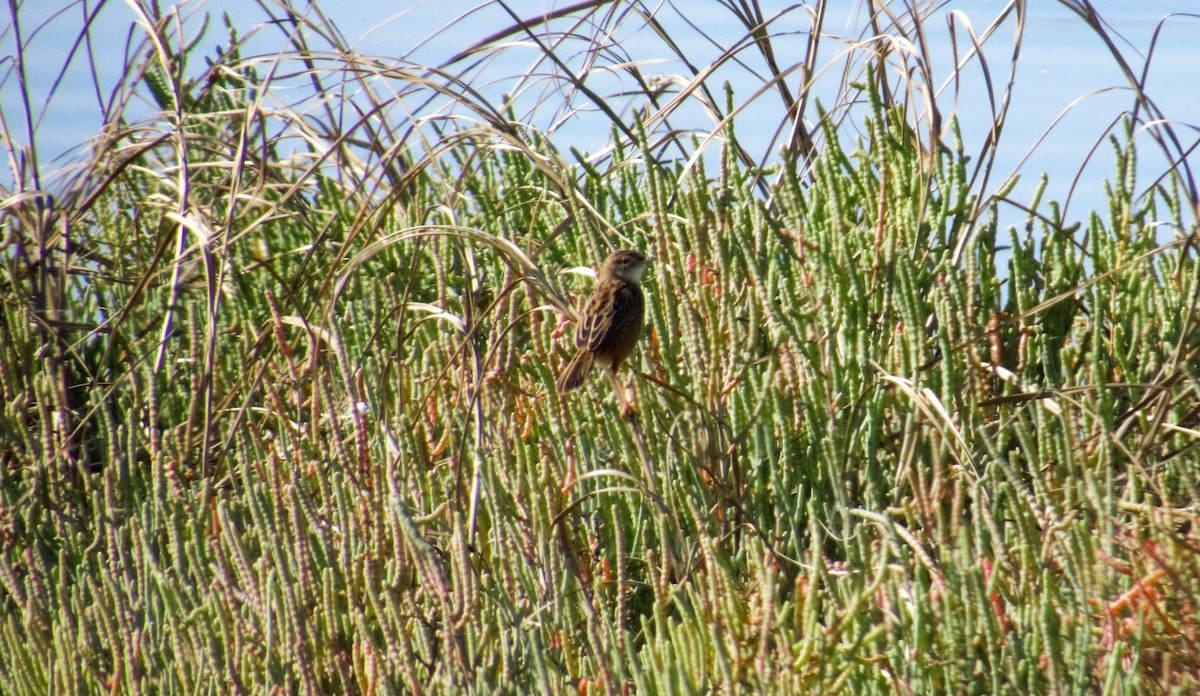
{"points": [[611, 321]]}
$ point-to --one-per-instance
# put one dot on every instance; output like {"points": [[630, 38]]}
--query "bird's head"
{"points": [[626, 265]]}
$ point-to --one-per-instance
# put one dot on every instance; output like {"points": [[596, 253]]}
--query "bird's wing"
{"points": [[612, 306]]}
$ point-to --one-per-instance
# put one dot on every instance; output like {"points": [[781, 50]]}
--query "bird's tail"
{"points": [[572, 377]]}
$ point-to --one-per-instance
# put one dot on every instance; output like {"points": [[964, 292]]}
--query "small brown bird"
{"points": [[611, 321]]}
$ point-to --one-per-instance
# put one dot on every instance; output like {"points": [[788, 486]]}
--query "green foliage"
{"points": [[294, 436]]}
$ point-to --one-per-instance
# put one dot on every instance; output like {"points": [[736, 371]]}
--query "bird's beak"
{"points": [[644, 266]]}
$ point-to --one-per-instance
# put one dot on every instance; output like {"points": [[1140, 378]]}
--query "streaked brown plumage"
{"points": [[611, 321]]}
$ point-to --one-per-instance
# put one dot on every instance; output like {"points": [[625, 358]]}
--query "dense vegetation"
{"points": [[279, 408]]}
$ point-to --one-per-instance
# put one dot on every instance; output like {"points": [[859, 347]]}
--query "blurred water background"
{"points": [[1068, 94]]}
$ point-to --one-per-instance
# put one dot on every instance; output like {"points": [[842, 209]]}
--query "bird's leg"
{"points": [[627, 410]]}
